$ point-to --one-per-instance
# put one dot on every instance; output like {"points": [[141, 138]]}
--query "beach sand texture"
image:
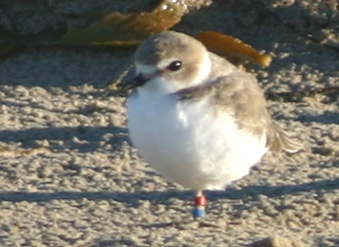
{"points": [[69, 175]]}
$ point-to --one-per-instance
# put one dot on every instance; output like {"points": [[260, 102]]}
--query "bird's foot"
{"points": [[200, 203]]}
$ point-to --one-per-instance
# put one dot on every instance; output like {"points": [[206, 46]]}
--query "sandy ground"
{"points": [[69, 175]]}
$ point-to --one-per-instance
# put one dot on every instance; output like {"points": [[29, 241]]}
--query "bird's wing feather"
{"points": [[239, 94]]}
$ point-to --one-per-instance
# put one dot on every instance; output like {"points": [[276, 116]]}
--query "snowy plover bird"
{"points": [[196, 118]]}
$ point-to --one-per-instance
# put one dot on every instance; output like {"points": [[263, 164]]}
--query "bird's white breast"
{"points": [[189, 143]]}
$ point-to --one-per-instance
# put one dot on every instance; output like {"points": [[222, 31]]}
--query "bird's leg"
{"points": [[200, 203]]}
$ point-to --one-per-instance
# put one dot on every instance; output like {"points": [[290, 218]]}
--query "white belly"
{"points": [[190, 145]]}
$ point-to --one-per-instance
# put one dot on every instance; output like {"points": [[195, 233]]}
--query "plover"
{"points": [[196, 118]]}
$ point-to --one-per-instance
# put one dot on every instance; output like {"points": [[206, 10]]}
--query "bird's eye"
{"points": [[175, 66]]}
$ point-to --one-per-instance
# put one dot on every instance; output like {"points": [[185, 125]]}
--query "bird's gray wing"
{"points": [[239, 94]]}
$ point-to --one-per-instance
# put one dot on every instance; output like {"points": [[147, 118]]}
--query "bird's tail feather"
{"points": [[280, 140]]}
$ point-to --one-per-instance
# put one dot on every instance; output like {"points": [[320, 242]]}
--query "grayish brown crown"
{"points": [[167, 45]]}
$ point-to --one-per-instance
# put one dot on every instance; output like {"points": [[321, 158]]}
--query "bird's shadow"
{"points": [[162, 197], [90, 137], [325, 118]]}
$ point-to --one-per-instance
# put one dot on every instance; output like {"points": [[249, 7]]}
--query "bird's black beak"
{"points": [[138, 81]]}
